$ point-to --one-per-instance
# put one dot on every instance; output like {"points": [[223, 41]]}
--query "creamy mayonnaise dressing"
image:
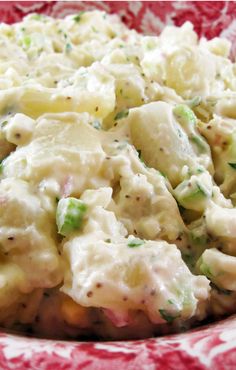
{"points": [[118, 178]]}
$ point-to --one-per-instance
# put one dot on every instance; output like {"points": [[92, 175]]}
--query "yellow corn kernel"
{"points": [[74, 314]]}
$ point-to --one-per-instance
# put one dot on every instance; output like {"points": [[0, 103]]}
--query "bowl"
{"points": [[207, 347]]}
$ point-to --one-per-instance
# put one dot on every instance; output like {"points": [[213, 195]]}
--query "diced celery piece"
{"points": [[199, 142], [194, 102], [184, 114], [198, 191], [69, 215], [188, 193], [192, 195], [26, 41]]}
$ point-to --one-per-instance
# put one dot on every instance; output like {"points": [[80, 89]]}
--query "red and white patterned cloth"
{"points": [[210, 18], [212, 347]]}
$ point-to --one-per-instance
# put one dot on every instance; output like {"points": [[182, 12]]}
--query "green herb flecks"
{"points": [[194, 102], [200, 170], [199, 142], [77, 18], [68, 47], [26, 41], [4, 123], [122, 114], [195, 191], [97, 124], [136, 242], [2, 165], [180, 134], [140, 157], [233, 165], [169, 318], [201, 190]]}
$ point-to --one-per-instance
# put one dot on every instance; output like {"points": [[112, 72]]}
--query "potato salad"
{"points": [[117, 178]]}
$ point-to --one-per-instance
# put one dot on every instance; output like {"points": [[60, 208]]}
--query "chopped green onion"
{"points": [[198, 191], [186, 191], [167, 316], [69, 215], [194, 102], [199, 170], [96, 124], [26, 41], [233, 165], [199, 142], [201, 190], [136, 242], [180, 134], [78, 17], [4, 123], [122, 114], [68, 47], [2, 165], [140, 157]]}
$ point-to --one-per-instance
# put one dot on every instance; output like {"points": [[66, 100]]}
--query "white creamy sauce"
{"points": [[118, 178]]}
